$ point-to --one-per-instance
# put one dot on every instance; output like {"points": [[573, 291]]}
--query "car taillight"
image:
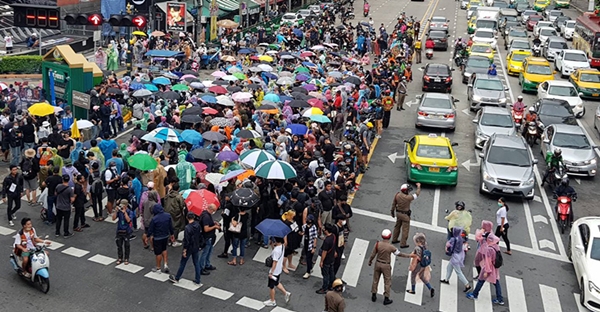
{"points": [[448, 79], [450, 169], [422, 113], [417, 166], [443, 39], [446, 25], [426, 78], [449, 115]]}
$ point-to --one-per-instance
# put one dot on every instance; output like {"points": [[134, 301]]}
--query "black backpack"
{"points": [[499, 261], [114, 184], [27, 167], [96, 185]]}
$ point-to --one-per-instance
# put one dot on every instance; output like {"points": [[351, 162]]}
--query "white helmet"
{"points": [[520, 98], [386, 234], [404, 188], [532, 109]]}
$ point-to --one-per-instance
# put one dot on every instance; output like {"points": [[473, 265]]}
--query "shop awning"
{"points": [[189, 19], [262, 2], [228, 5]]}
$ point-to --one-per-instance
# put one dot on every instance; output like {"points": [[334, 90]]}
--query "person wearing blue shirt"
{"points": [[107, 146], [118, 161]]}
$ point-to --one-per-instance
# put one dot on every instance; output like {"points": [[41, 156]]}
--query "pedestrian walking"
{"points": [[480, 236], [291, 240], [388, 105], [341, 233], [52, 181], [334, 301], [111, 178], [239, 230], [124, 230], [192, 242], [275, 273], [382, 254], [146, 212], [401, 211], [309, 231], [454, 249], [160, 232], [209, 227], [328, 254], [418, 51], [64, 198], [419, 266], [502, 223], [489, 259], [175, 206], [12, 190], [78, 204], [30, 167]]}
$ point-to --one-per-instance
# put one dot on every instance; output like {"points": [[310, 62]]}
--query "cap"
{"points": [[370, 124], [124, 202], [45, 124], [386, 234], [288, 130], [112, 163], [150, 185]]}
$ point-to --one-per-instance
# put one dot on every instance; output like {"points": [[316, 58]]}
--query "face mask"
{"points": [[344, 222], [500, 205]]}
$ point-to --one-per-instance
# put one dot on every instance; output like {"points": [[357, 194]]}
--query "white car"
{"points": [[290, 18], [547, 32], [568, 60], [304, 12], [554, 14], [315, 8], [463, 4], [485, 36], [562, 90], [584, 251], [567, 29], [540, 24]]}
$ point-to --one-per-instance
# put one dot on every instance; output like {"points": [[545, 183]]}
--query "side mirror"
{"points": [[580, 94], [535, 161], [554, 73], [419, 96], [405, 141], [475, 121], [454, 144], [470, 85], [505, 88], [481, 155], [579, 247], [452, 69], [546, 141], [456, 100]]}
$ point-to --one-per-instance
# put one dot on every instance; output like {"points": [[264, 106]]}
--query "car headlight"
{"points": [[487, 177], [481, 135], [593, 287], [502, 101], [529, 182], [476, 98], [468, 75], [525, 80], [591, 161]]}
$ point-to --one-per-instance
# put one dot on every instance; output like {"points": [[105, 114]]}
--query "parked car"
{"points": [[567, 61], [437, 77], [507, 167], [436, 110], [491, 120], [486, 90], [577, 152], [553, 46], [475, 64], [554, 111], [583, 249], [562, 90], [486, 36], [440, 39], [290, 18], [439, 23]]}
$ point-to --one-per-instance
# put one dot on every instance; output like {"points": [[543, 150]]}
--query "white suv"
{"points": [[567, 29], [567, 61]]}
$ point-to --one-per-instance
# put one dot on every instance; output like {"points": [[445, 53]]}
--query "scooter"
{"points": [[429, 53], [365, 12], [39, 264], [531, 133], [555, 177], [518, 118], [537, 50], [563, 211]]}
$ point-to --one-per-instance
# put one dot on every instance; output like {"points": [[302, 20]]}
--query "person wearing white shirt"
{"points": [[8, 44], [275, 272], [502, 223]]}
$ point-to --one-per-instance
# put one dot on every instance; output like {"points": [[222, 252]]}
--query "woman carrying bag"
{"points": [[239, 230]]}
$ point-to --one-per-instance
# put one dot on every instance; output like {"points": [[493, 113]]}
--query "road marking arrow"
{"points": [[466, 111], [544, 243], [578, 181], [409, 103], [540, 218], [395, 156], [467, 164], [537, 199]]}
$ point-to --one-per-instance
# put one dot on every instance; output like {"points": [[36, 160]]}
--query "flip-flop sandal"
{"points": [[118, 261], [126, 262], [241, 262], [232, 263]]}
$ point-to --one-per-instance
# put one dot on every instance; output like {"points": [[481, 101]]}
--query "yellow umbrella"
{"points": [[139, 33], [265, 58], [226, 23], [41, 109], [75, 131]]}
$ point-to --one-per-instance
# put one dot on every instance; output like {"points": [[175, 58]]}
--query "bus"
{"points": [[587, 37]]}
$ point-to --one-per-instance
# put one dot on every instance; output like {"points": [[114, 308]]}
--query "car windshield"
{"points": [[535, 18], [520, 45], [304, 12], [570, 140], [496, 120], [438, 19], [289, 17], [489, 84], [437, 70], [548, 32], [555, 13], [562, 91], [486, 24], [511, 18], [484, 34], [502, 5], [555, 110], [590, 77], [522, 5], [595, 250], [575, 57], [478, 63], [570, 24], [434, 151], [436, 103], [558, 45], [518, 33], [481, 49], [509, 156], [539, 70], [519, 57]]}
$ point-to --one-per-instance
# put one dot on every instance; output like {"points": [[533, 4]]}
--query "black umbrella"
{"points": [[333, 64], [234, 89], [115, 91], [191, 118], [220, 82], [190, 72], [202, 154], [247, 134], [194, 110], [213, 136], [299, 103], [341, 27], [170, 95], [267, 107], [300, 90], [138, 133], [253, 86], [244, 197], [190, 79], [353, 80]]}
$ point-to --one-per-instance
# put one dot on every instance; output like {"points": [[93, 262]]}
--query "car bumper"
{"points": [[562, 5], [440, 46], [470, 30], [530, 86], [507, 190], [513, 70], [480, 104], [438, 178], [585, 170], [439, 86], [568, 35], [592, 300], [480, 141], [590, 94], [567, 71], [539, 9], [449, 123]]}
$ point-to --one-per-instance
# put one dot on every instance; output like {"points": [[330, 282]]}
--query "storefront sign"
{"points": [[81, 99], [175, 12]]}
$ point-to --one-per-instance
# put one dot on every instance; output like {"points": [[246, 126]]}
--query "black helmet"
{"points": [[564, 181], [460, 203]]}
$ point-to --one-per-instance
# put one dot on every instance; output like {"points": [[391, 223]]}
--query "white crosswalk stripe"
{"points": [[516, 293], [417, 298], [550, 299], [484, 300], [448, 294], [354, 262]]}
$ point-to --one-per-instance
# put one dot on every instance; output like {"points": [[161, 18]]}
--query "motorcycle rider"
{"points": [[459, 45], [554, 160], [429, 44], [518, 106], [564, 189], [25, 241], [366, 7], [530, 117], [537, 43]]}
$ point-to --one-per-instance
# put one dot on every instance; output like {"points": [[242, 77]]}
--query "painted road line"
{"points": [[417, 298], [483, 303], [131, 268], [380, 285], [75, 252], [100, 259], [250, 303], [360, 176], [580, 308], [448, 293], [530, 227], [263, 253], [280, 309], [316, 272], [55, 246], [218, 293], [6, 231], [354, 263], [516, 294], [436, 206], [187, 284], [158, 276], [550, 299]]}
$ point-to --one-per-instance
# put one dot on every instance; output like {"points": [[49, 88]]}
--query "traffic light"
{"points": [[120, 20], [139, 21], [47, 17], [93, 19]]}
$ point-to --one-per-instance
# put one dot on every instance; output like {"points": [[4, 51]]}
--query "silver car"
{"points": [[553, 46], [439, 23], [436, 110], [577, 152], [491, 120], [507, 167], [463, 4], [486, 90]]}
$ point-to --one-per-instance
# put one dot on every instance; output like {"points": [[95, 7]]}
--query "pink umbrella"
{"points": [[188, 76], [318, 95], [316, 103], [218, 74], [199, 166], [3, 86], [307, 54], [242, 96], [209, 111]]}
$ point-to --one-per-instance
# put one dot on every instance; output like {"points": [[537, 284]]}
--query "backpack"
{"points": [[201, 239], [133, 203], [499, 261], [113, 175], [425, 257], [27, 166], [96, 185], [450, 250]]}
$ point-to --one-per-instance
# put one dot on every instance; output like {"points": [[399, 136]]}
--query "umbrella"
{"points": [[202, 154], [218, 74], [191, 119], [309, 64], [230, 78], [248, 134], [41, 109], [234, 89], [302, 77], [213, 136], [84, 124], [274, 46], [232, 174], [299, 103], [265, 67], [227, 156], [302, 69], [266, 58], [171, 76], [244, 51], [270, 75], [242, 96], [190, 72], [157, 33], [335, 74], [269, 109], [272, 97], [307, 54], [115, 91], [199, 166], [161, 81], [136, 86], [300, 89], [312, 111], [225, 100], [142, 161], [138, 133], [170, 95], [285, 98], [233, 69], [298, 129], [197, 85], [255, 157], [244, 197], [275, 169], [253, 86], [209, 111], [199, 200], [139, 33], [192, 137], [227, 23], [167, 134], [214, 178], [317, 48], [228, 58], [285, 81], [151, 138], [188, 76], [220, 83], [142, 93], [273, 228], [151, 87], [320, 118], [287, 57], [222, 122], [217, 90], [240, 76], [286, 74], [353, 80], [75, 130], [316, 103], [309, 87], [209, 99], [180, 87]]}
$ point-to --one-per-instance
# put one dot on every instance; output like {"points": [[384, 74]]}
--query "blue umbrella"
{"points": [[285, 98], [136, 86], [161, 81], [209, 99], [320, 118], [273, 228], [151, 87], [192, 136], [302, 77], [270, 75], [309, 64], [298, 129], [298, 32], [272, 97], [245, 51], [228, 156]]}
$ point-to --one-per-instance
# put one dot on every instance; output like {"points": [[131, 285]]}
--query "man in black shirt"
{"points": [[209, 227], [328, 150], [328, 251], [79, 202], [12, 190], [327, 199], [51, 182], [66, 145]]}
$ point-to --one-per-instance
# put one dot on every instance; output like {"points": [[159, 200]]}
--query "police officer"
{"points": [[401, 94], [401, 211], [383, 250], [334, 301]]}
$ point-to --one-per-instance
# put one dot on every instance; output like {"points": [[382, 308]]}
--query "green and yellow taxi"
{"points": [[535, 71], [472, 24], [586, 81], [482, 49], [474, 3], [430, 159], [562, 4], [514, 61], [540, 5]]}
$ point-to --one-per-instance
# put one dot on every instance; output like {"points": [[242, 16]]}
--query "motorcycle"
{"points": [[532, 133], [557, 175], [460, 61], [537, 50], [39, 264], [365, 12], [518, 118], [429, 53], [348, 16], [563, 211]]}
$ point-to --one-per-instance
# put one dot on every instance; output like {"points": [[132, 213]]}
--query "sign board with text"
{"points": [[176, 13], [81, 99]]}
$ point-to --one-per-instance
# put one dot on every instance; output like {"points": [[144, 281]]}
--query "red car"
{"points": [[533, 20]]}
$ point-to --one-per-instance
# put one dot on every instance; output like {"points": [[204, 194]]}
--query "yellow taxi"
{"points": [[562, 4], [482, 49], [472, 24], [473, 2], [430, 159], [535, 71], [540, 5], [587, 82], [514, 61]]}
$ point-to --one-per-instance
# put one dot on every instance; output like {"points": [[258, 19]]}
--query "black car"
{"points": [[437, 77], [554, 111], [440, 39], [475, 64]]}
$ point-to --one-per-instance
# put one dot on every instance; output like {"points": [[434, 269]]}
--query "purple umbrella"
{"points": [[227, 156], [310, 87], [302, 77]]}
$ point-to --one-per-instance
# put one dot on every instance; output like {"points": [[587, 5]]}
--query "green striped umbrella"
{"points": [[255, 157], [275, 170]]}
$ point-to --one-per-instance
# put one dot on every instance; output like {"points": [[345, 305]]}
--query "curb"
{"points": [[21, 76]]}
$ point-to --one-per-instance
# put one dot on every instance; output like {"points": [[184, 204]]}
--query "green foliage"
{"points": [[21, 64]]}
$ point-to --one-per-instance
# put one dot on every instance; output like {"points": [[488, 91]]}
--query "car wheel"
{"points": [[423, 89], [569, 251]]}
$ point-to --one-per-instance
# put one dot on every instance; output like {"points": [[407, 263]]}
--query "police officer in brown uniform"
{"points": [[401, 211], [383, 250], [334, 301]]}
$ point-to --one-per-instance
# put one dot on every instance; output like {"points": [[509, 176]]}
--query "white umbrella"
{"points": [[225, 100], [254, 69], [197, 85], [286, 74], [272, 52], [265, 67], [215, 179], [207, 83], [285, 81], [151, 138], [57, 109], [142, 93], [230, 78], [234, 69], [3, 86], [84, 124], [275, 170], [256, 79]]}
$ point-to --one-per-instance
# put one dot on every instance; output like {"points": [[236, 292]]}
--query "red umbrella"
{"points": [[209, 111], [199, 200], [199, 166], [254, 58], [217, 90], [316, 103]]}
